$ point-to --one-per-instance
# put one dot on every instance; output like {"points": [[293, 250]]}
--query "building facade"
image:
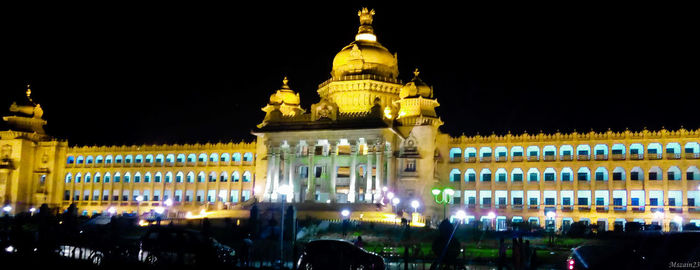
{"points": [[370, 137]]}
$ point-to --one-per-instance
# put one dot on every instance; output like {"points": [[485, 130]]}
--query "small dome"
{"points": [[365, 55], [416, 87], [285, 95]]}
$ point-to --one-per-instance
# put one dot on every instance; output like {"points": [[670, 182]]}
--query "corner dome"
{"points": [[365, 55], [285, 95], [416, 87]]}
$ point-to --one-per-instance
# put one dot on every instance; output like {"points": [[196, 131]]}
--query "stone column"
{"points": [[310, 181], [276, 176], [368, 176], [390, 170], [292, 174], [378, 178], [334, 171], [268, 176], [353, 164]]}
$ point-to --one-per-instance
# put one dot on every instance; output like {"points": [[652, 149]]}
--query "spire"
{"points": [[416, 72], [366, 31], [284, 83], [29, 94]]}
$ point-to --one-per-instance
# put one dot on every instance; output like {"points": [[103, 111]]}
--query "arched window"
{"points": [[225, 157], [485, 154], [87, 178], [99, 159], [583, 174], [601, 151], [190, 177], [674, 173], [654, 151], [147, 177], [501, 175], [127, 177], [636, 173], [673, 150], [236, 157], [247, 176], [214, 157], [200, 177], [550, 174], [533, 153], [191, 158], [80, 160], [455, 154], [567, 174], [137, 177], [160, 158], [138, 159], [88, 160], [212, 177], [533, 174], [516, 154], [118, 159], [69, 178], [129, 159], [601, 174], [692, 173], [117, 177], [78, 177], [170, 158], [655, 173], [470, 175], [223, 177], [618, 151], [583, 152], [501, 153], [248, 157], [455, 175], [485, 175], [566, 152], [202, 158], [692, 150], [149, 158], [108, 177], [549, 152], [179, 176], [158, 178], [470, 154], [619, 174], [636, 151], [70, 160], [180, 158], [108, 159], [169, 177], [235, 176], [98, 177], [516, 175]]}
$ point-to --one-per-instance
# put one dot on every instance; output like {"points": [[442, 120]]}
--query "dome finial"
{"points": [[29, 93], [284, 83], [416, 72], [366, 31]]}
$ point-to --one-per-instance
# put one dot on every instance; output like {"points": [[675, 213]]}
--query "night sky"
{"points": [[111, 75]]}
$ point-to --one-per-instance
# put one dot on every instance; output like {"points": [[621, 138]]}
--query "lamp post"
{"points": [[283, 191], [112, 210], [415, 204], [492, 219], [444, 199], [168, 203], [658, 215], [139, 199], [31, 211], [7, 209], [395, 202]]}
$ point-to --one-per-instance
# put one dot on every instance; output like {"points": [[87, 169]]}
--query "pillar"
{"points": [[390, 170], [353, 164], [310, 183], [268, 176], [276, 176], [291, 174], [378, 178], [368, 192], [334, 171]]}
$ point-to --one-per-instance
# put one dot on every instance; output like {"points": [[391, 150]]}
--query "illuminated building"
{"points": [[369, 135]]}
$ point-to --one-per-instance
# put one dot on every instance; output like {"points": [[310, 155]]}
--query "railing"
{"points": [[583, 157], [485, 159], [550, 158], [455, 159], [601, 157], [618, 156], [470, 159], [652, 156], [516, 158], [533, 158], [692, 155], [636, 156], [501, 159], [673, 156], [566, 157]]}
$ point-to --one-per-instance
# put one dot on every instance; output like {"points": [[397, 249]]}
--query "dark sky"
{"points": [[181, 74]]}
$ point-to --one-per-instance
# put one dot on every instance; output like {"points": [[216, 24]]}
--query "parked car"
{"points": [[639, 251], [338, 254], [175, 246]]}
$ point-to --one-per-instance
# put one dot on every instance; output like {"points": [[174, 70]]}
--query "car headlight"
{"points": [[10, 249]]}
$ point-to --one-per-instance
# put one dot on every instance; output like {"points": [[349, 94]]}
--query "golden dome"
{"points": [[416, 87], [285, 95], [365, 55]]}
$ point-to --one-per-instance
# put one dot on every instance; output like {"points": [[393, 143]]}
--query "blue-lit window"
{"points": [[518, 201], [582, 201], [566, 176], [617, 201], [635, 201], [566, 201], [653, 201], [549, 177], [517, 177]]}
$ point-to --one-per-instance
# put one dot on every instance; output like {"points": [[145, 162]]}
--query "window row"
{"points": [[158, 177], [568, 174], [582, 151], [212, 195], [487, 198], [161, 158]]}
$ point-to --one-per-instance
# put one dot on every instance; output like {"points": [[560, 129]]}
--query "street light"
{"points": [[286, 191], [461, 215], [390, 195], [112, 210], [444, 200], [139, 199], [32, 210], [345, 213], [415, 205], [7, 209], [160, 210]]}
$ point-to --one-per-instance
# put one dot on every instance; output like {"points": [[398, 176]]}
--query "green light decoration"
{"points": [[446, 198]]}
